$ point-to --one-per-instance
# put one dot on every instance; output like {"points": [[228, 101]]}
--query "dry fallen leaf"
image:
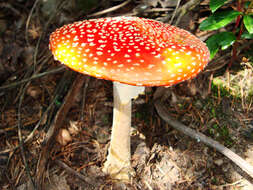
{"points": [[63, 137], [73, 127], [33, 91]]}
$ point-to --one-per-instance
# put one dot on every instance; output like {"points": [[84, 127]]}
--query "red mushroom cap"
{"points": [[130, 50]]}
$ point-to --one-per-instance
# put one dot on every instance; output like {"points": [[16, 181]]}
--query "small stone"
{"points": [[218, 162]]}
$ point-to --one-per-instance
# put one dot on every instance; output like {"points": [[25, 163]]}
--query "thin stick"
{"points": [[213, 66], [239, 161], [21, 141], [46, 25], [35, 76], [183, 10], [50, 107], [175, 11], [73, 172], [84, 96], [28, 22], [53, 130], [111, 9], [31, 135]]}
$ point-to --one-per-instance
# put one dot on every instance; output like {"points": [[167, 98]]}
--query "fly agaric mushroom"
{"points": [[133, 53]]}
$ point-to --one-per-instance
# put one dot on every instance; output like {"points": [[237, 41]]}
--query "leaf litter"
{"points": [[162, 157]]}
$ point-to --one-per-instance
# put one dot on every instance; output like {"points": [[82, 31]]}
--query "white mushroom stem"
{"points": [[118, 163]]}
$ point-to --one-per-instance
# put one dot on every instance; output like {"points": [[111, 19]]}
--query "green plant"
{"points": [[219, 88], [243, 27], [221, 132]]}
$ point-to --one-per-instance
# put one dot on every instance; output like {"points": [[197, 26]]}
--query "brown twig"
{"points": [[31, 135], [111, 9], [20, 124], [73, 172], [185, 8], [174, 12], [239, 161], [36, 51], [182, 10], [20, 136], [54, 128], [28, 22], [213, 66], [21, 141], [35, 76], [84, 96], [10, 7]]}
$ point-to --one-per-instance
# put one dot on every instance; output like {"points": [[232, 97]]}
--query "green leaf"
{"points": [[247, 35], [212, 46], [218, 20], [226, 39], [248, 22], [215, 4], [221, 40], [246, 4]]}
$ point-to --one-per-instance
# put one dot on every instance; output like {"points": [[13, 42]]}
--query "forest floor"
{"points": [[34, 87]]}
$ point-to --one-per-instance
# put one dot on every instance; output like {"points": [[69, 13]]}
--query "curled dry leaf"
{"points": [[73, 128], [33, 91], [63, 137]]}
